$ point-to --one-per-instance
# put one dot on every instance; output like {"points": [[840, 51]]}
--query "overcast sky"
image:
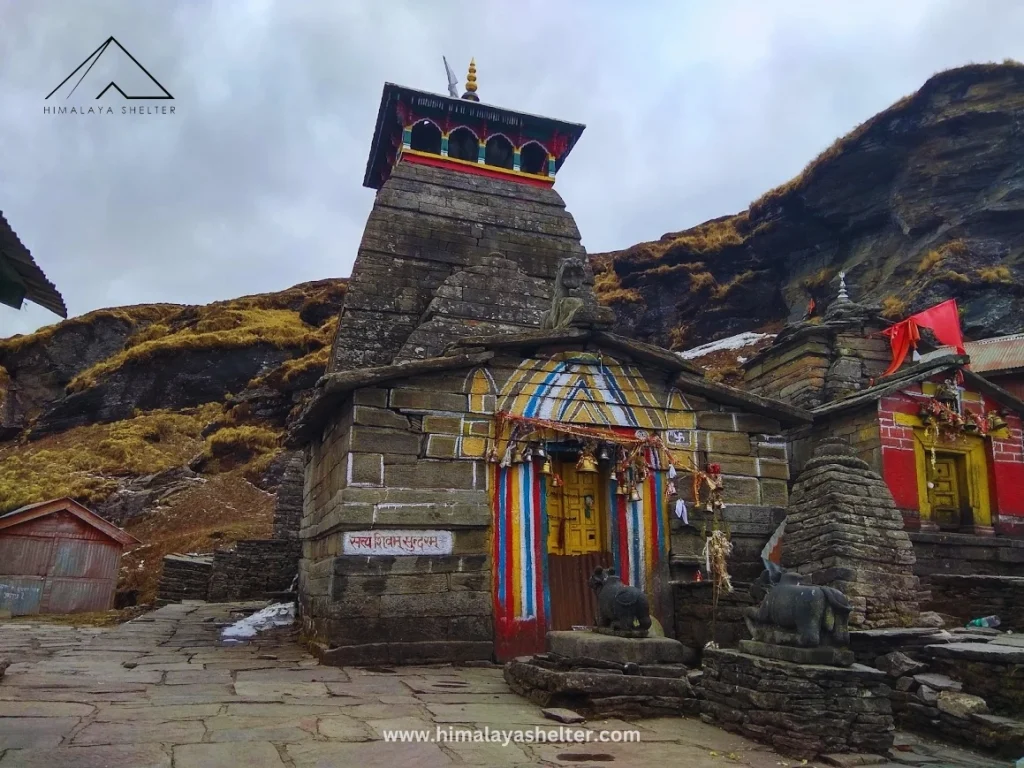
{"points": [[693, 109]]}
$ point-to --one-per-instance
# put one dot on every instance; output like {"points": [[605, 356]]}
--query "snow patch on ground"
{"points": [[738, 341], [276, 615]]}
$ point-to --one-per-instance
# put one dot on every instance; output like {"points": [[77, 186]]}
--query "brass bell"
{"points": [[995, 421], [587, 464], [634, 494], [517, 455], [604, 454], [539, 452], [545, 468], [620, 489]]}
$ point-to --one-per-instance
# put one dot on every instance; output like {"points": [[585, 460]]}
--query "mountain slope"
{"points": [[920, 203]]}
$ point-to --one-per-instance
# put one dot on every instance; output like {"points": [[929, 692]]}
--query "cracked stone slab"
{"points": [[127, 755], [34, 732], [175, 732], [250, 755]]}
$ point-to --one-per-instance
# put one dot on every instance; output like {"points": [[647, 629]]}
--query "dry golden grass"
{"points": [[219, 327], [929, 261], [893, 308], [701, 280], [621, 296], [724, 290], [83, 463], [995, 275], [219, 512], [679, 336], [140, 314]]}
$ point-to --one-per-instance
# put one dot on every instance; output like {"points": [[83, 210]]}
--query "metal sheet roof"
{"points": [[38, 289], [1000, 354]]}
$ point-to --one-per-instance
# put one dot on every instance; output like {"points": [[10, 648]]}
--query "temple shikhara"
{"points": [[479, 411]]}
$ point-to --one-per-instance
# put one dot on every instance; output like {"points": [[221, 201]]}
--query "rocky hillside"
{"points": [[922, 202], [164, 418]]}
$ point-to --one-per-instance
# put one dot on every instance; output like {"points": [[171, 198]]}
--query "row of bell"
{"points": [[587, 461]]}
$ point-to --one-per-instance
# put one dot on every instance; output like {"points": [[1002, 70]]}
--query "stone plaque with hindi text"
{"points": [[389, 542]]}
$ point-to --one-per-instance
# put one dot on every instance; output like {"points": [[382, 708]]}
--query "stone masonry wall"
{"points": [[185, 577], [971, 597], [426, 224], [288, 506], [410, 455], [253, 568]]}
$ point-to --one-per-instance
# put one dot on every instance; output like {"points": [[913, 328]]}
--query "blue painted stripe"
{"points": [[526, 496], [621, 398], [502, 533], [538, 397]]}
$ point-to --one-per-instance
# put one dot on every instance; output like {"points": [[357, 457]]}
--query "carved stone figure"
{"points": [[620, 608], [793, 613], [573, 302]]}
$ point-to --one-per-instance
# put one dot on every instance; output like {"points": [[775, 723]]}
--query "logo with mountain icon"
{"points": [[111, 68]]}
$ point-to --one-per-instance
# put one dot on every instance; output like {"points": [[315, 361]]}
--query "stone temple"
{"points": [[481, 441]]}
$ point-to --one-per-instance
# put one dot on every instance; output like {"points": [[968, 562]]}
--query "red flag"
{"points": [[944, 321]]}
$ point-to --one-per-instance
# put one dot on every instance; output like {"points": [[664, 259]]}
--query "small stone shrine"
{"points": [[795, 686], [843, 530], [616, 669]]}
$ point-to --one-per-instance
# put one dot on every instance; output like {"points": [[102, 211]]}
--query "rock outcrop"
{"points": [[920, 203]]}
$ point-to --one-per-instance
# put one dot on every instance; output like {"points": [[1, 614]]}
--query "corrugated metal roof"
{"points": [[999, 354], [41, 509], [38, 289]]}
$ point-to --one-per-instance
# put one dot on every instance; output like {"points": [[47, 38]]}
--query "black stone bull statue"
{"points": [[619, 607], [793, 613]]}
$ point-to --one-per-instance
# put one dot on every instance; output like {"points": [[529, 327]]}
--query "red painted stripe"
{"points": [[495, 543], [510, 605], [480, 170]]}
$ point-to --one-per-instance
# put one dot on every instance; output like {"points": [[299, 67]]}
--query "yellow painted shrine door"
{"points": [[948, 492], [576, 540]]}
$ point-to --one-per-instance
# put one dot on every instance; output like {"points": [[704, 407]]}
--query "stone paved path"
{"points": [[162, 690]]}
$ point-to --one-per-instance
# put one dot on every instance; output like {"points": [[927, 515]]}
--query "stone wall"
{"points": [[694, 612], [185, 577], [288, 505], [410, 455], [858, 426], [801, 710], [965, 554], [971, 597], [253, 569], [426, 225]]}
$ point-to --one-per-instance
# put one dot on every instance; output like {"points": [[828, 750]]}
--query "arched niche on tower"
{"points": [[499, 152], [533, 158], [426, 137], [463, 144]]}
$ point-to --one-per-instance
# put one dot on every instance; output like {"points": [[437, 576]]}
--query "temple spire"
{"points": [[843, 295], [470, 93]]}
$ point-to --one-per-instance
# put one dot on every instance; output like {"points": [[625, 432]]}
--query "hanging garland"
{"points": [[944, 423], [631, 463]]}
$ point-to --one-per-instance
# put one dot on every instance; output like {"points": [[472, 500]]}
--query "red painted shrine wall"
{"points": [[1005, 456]]}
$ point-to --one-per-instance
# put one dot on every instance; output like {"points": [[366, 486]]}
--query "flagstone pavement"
{"points": [[163, 690]]}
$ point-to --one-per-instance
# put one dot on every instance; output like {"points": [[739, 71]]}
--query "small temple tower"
{"points": [[466, 233]]}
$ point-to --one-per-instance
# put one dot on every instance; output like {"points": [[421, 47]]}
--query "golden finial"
{"points": [[471, 82]]}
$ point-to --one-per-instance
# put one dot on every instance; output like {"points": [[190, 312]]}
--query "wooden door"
{"points": [[948, 491], [577, 543]]}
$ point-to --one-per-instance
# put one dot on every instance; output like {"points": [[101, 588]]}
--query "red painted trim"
{"points": [[509, 544], [478, 170]]}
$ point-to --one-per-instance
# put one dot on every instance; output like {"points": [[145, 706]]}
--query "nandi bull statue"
{"points": [[793, 613], [621, 610]]}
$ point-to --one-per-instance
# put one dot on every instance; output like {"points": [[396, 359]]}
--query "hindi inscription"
{"points": [[390, 542]]}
